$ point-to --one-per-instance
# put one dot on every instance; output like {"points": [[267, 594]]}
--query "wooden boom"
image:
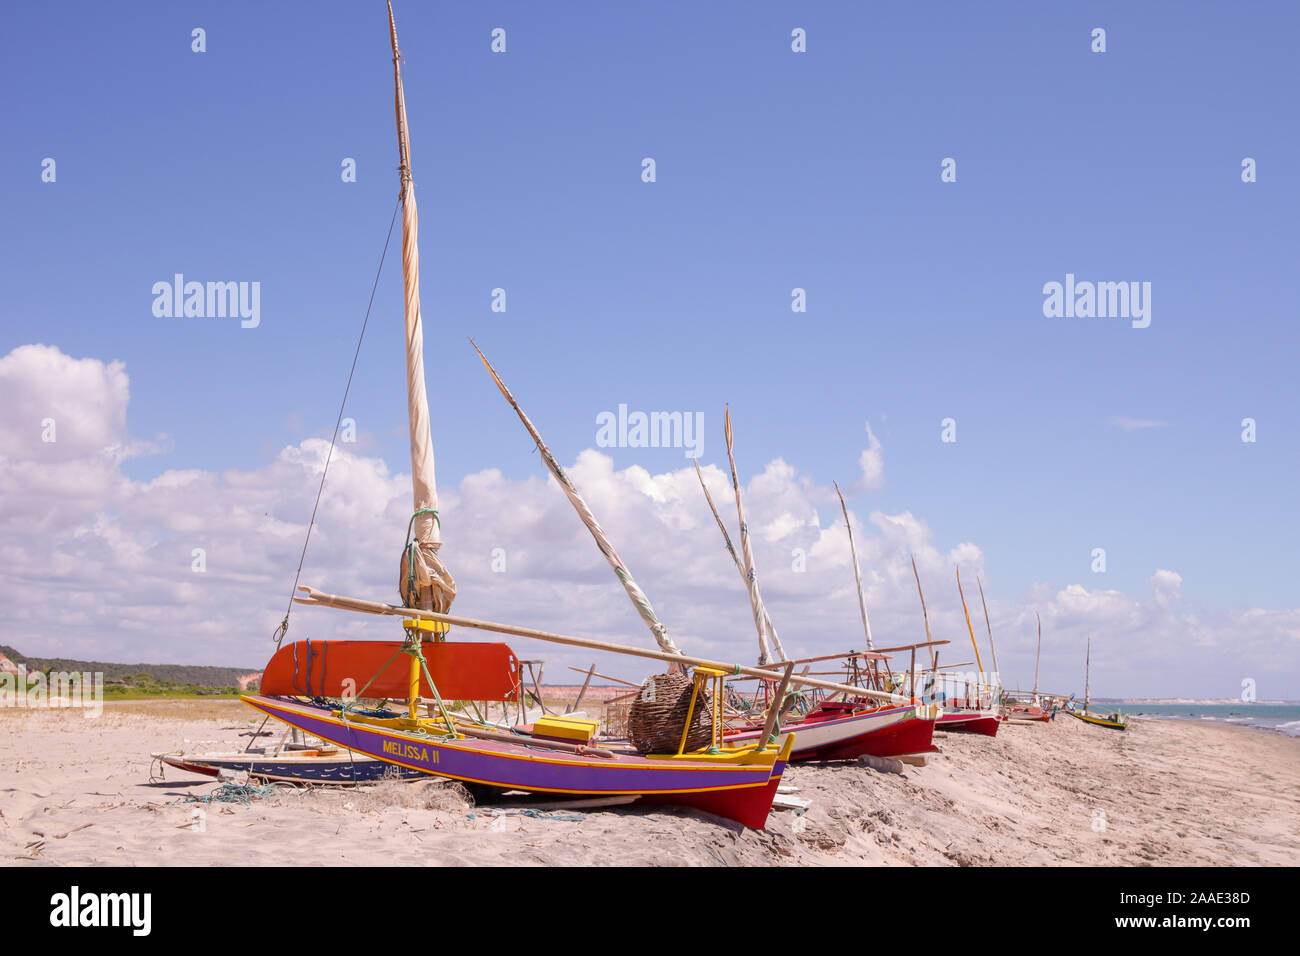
{"points": [[321, 599]]}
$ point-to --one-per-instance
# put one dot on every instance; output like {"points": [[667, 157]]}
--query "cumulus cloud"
{"points": [[95, 564]]}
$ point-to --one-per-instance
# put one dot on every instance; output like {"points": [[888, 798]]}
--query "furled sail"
{"points": [[424, 581], [767, 621], [857, 570], [639, 599], [747, 551]]}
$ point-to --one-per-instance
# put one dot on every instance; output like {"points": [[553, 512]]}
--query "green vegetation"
{"points": [[139, 681]]}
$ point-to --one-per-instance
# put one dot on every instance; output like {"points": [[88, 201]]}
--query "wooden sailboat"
{"points": [[1036, 709], [967, 708], [302, 681], [1114, 721], [839, 726]]}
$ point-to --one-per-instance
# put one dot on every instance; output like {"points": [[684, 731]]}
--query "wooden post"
{"points": [[582, 693], [911, 672], [414, 688], [775, 705]]}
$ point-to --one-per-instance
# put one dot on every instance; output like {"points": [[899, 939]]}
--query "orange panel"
{"points": [[462, 671]]}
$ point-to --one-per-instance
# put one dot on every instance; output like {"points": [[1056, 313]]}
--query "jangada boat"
{"points": [[312, 687], [848, 729], [875, 722], [971, 708], [326, 764], [843, 726], [1115, 721]]}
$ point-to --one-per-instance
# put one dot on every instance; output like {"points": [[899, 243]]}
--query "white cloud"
{"points": [[95, 564], [1136, 424]]}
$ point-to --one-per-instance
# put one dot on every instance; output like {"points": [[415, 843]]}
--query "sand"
{"points": [[77, 792]]}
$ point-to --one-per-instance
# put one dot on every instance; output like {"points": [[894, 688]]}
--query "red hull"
{"points": [[969, 725], [749, 807], [911, 736]]}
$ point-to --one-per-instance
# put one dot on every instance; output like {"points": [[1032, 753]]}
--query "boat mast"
{"points": [[978, 663], [424, 581], [747, 551], [1038, 654], [639, 599], [857, 571], [767, 621], [924, 614], [992, 646], [1087, 674]]}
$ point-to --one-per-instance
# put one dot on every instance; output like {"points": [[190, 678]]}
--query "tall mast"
{"points": [[978, 662], [1037, 655], [992, 646], [857, 571], [424, 581], [924, 613], [1087, 675], [747, 550], [639, 599], [767, 621]]}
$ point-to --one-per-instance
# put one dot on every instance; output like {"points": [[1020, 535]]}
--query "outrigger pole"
{"points": [[321, 599]]}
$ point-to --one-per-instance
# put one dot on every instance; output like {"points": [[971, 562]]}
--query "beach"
{"points": [[77, 792]]}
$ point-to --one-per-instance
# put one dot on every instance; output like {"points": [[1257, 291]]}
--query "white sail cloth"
{"points": [[424, 581]]}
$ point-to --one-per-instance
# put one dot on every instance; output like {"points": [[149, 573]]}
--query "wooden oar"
{"points": [[321, 599]]}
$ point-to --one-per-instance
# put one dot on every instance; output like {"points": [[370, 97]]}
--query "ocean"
{"points": [[1284, 718]]}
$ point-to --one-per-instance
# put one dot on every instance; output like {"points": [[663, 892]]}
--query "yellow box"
{"points": [[572, 729]]}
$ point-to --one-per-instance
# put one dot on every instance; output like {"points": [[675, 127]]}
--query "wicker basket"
{"points": [[656, 717]]}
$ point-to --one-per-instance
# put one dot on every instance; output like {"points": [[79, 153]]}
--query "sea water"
{"points": [[1283, 718]]}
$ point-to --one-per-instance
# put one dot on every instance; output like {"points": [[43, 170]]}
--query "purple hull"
{"points": [[741, 791]]}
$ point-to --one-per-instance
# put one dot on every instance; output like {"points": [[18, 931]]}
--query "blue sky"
{"points": [[775, 170]]}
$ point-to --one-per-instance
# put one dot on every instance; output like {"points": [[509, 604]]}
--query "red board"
{"points": [[462, 671]]}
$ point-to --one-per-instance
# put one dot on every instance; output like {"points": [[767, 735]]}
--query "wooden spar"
{"points": [[857, 571], [987, 624], [582, 693], [767, 620], [321, 599], [1087, 675], [968, 627], [747, 551], [828, 657], [1038, 653], [885, 651], [617, 680], [911, 672], [638, 597], [774, 708], [925, 614], [533, 741]]}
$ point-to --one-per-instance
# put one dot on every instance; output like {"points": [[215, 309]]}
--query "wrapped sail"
{"points": [[857, 570], [750, 574], [424, 581], [639, 599], [767, 621]]}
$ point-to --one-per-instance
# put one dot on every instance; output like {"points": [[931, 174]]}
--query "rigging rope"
{"points": [[283, 629]]}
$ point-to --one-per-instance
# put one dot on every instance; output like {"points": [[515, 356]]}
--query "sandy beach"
{"points": [[77, 792]]}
